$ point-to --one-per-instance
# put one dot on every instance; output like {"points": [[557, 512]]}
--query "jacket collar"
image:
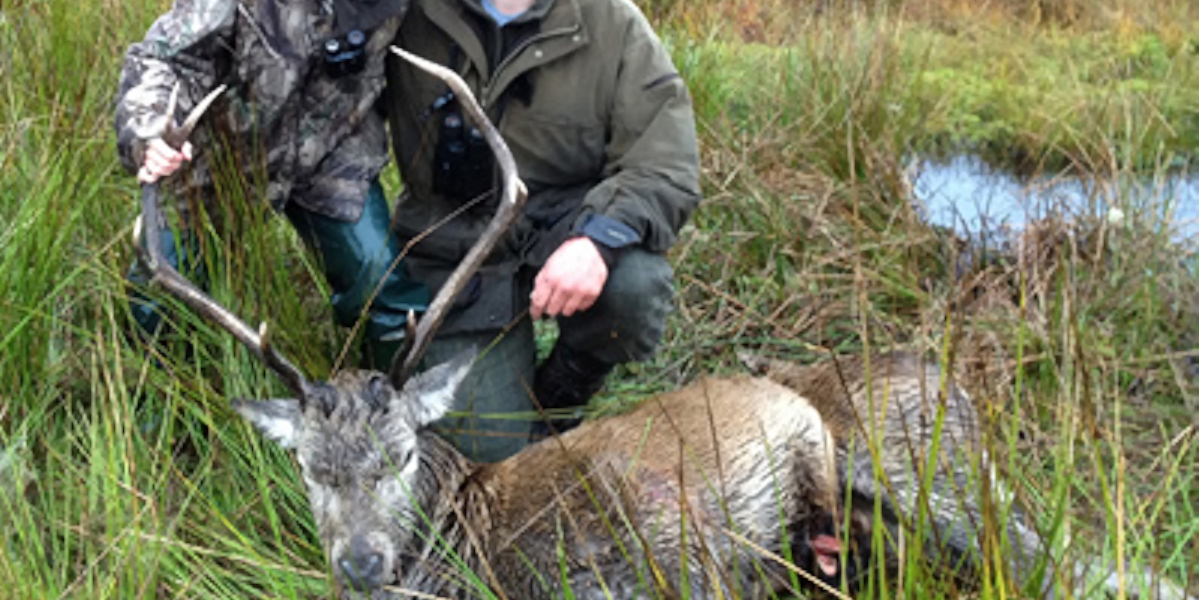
{"points": [[562, 32], [538, 11]]}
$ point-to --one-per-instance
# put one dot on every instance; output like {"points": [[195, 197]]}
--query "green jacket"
{"points": [[587, 99]]}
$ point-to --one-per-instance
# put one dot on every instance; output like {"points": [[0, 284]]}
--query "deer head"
{"points": [[360, 461], [355, 436]]}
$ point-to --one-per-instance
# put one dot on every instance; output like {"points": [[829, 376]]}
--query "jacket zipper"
{"points": [[485, 101]]}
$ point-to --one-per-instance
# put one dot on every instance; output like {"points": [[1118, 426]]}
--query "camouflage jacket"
{"points": [[312, 138]]}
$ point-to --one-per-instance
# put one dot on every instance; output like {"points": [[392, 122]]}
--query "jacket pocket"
{"points": [[554, 153]]}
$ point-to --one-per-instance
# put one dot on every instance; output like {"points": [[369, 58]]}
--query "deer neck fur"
{"points": [[453, 493]]}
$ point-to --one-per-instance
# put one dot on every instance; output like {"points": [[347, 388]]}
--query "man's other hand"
{"points": [[570, 281]]}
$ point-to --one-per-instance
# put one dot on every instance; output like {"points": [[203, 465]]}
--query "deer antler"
{"points": [[165, 275], [512, 201]]}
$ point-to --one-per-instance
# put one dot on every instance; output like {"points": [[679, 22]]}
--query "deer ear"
{"points": [[429, 395], [278, 420]]}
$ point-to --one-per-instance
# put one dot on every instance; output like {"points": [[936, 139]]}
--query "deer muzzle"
{"points": [[363, 566]]}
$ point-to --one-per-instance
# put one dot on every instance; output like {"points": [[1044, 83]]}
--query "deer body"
{"points": [[662, 486], [638, 480], [660, 499]]}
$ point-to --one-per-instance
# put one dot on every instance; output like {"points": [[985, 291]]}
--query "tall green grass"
{"points": [[135, 480]]}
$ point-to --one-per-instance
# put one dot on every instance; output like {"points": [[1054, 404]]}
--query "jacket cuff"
{"points": [[610, 236]]}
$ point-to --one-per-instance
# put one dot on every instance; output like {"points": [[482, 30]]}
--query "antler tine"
{"points": [[176, 135], [162, 273], [512, 201]]}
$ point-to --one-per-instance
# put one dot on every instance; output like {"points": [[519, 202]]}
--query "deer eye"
{"points": [[401, 458], [370, 481], [323, 477], [377, 387]]}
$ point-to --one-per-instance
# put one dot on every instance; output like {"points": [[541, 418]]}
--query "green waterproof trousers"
{"points": [[494, 408]]}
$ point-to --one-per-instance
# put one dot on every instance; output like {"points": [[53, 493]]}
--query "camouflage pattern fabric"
{"points": [[308, 137]]}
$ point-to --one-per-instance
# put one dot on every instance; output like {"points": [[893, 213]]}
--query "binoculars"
{"points": [[463, 162], [346, 55]]}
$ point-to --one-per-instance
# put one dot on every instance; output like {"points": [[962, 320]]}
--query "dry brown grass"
{"points": [[779, 21]]}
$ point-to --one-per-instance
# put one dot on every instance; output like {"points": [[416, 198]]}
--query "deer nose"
{"points": [[362, 567]]}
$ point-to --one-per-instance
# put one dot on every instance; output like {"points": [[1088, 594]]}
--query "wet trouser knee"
{"points": [[494, 410], [627, 321], [360, 262]]}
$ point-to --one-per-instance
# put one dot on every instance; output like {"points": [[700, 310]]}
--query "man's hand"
{"points": [[570, 281], [162, 160]]}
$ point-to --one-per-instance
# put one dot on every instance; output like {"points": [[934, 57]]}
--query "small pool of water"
{"points": [[964, 194]]}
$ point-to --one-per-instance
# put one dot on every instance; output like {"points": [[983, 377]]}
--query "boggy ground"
{"points": [[1079, 344]]}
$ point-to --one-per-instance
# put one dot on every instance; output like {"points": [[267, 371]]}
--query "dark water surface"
{"points": [[964, 194]]}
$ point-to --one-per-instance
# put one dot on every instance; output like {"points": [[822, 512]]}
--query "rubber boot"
{"points": [[563, 385], [378, 353], [359, 262]]}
